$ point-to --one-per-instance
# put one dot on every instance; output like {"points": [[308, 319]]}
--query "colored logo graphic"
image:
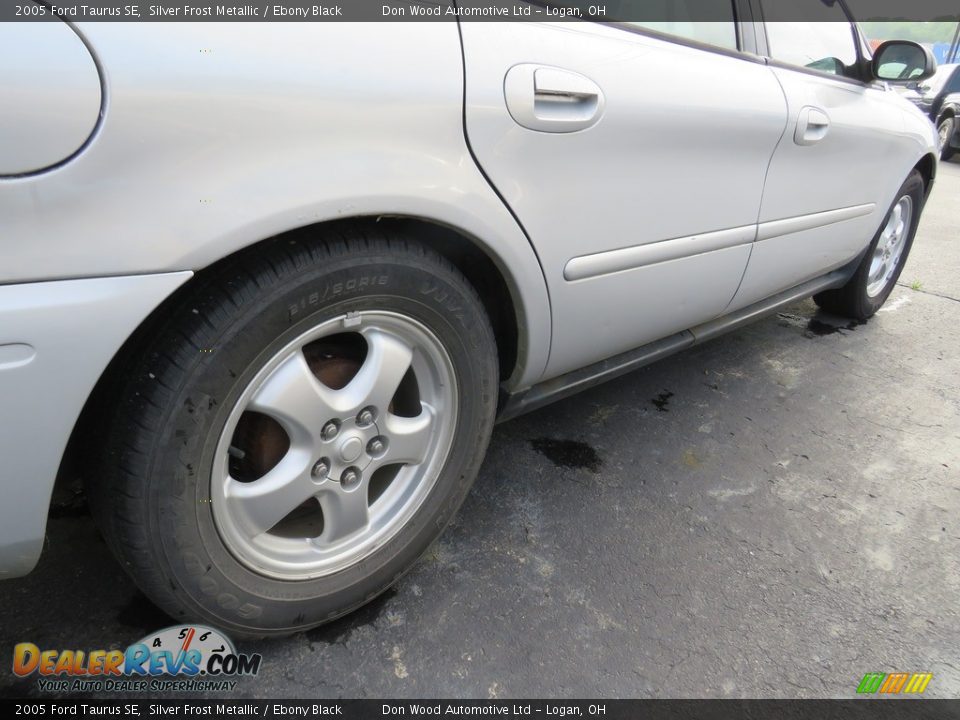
{"points": [[182, 652], [894, 683]]}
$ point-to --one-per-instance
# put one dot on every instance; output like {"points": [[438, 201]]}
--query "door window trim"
{"points": [[861, 62], [737, 52], [742, 16]]}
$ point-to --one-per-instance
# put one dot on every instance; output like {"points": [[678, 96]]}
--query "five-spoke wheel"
{"points": [[334, 444], [889, 248]]}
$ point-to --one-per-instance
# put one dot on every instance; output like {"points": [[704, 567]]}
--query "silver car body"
{"points": [[157, 149]]}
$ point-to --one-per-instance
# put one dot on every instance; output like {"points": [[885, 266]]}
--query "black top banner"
{"points": [[639, 11]]}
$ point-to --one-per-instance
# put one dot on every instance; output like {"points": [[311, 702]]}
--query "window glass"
{"points": [[685, 18], [714, 33], [826, 43]]}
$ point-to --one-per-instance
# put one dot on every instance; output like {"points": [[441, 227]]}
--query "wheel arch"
{"points": [[484, 269], [927, 167]]}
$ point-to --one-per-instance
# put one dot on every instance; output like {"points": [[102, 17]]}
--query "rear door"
{"points": [[838, 164], [635, 161]]}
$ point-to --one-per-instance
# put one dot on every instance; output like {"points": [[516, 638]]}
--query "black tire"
{"points": [[151, 498], [852, 300], [946, 152]]}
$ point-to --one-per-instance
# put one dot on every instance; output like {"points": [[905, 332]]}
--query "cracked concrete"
{"points": [[774, 513]]}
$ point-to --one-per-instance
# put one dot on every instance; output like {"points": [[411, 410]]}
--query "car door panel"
{"points": [[836, 189], [678, 153]]}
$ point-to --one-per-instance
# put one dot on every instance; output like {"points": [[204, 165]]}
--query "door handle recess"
{"points": [[550, 99], [813, 124]]}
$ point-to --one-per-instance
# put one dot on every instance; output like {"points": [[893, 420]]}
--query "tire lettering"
{"points": [[445, 299], [333, 290], [192, 564], [228, 601], [208, 586], [248, 611]]}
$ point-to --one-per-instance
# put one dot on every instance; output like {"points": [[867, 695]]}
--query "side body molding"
{"points": [[611, 261]]}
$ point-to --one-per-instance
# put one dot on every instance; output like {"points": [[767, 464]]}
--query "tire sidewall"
{"points": [[914, 187], [946, 152], [180, 512]]}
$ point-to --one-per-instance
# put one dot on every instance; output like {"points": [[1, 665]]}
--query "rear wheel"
{"points": [[300, 431], [883, 262]]}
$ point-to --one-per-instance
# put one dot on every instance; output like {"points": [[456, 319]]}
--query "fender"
{"points": [[220, 136]]}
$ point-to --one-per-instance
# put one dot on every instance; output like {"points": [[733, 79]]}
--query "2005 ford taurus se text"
{"points": [[269, 300]]}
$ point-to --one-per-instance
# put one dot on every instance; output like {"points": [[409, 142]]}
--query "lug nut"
{"points": [[320, 469], [330, 430], [377, 446], [366, 416], [350, 476]]}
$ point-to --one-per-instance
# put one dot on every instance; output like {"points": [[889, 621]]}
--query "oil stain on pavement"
{"points": [[568, 453]]}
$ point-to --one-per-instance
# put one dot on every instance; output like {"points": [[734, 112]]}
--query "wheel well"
{"points": [[927, 167], [480, 269], [465, 253]]}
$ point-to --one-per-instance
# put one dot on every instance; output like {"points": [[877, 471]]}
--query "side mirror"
{"points": [[902, 61]]}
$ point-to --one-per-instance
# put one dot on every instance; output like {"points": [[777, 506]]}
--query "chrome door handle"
{"points": [[813, 124], [551, 99]]}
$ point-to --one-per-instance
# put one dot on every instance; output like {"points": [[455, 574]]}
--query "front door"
{"points": [[634, 160], [829, 184]]}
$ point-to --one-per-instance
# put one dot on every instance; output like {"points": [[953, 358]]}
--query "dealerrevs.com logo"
{"points": [[181, 658]]}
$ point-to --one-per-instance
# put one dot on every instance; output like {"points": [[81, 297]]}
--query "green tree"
{"points": [[922, 32]]}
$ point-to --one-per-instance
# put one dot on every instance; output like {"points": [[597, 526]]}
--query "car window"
{"points": [[684, 18], [825, 43]]}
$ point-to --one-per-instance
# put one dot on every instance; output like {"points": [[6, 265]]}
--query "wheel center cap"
{"points": [[351, 448]]}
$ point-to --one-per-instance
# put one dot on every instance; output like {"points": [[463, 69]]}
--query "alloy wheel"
{"points": [[334, 445], [889, 247]]}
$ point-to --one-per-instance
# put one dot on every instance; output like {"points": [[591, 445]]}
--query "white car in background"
{"points": [[267, 287]]}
